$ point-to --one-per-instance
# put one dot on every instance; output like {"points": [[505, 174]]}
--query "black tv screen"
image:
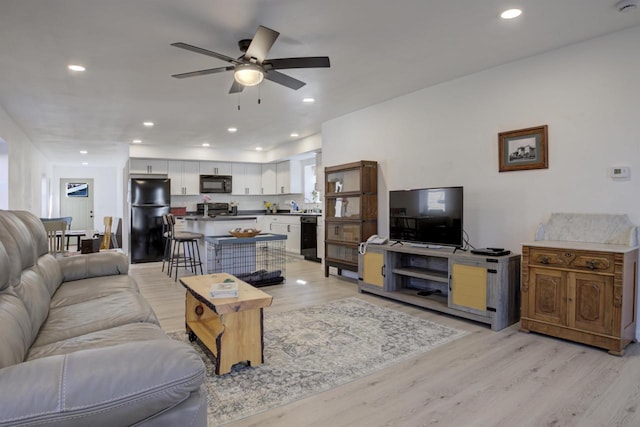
{"points": [[426, 215]]}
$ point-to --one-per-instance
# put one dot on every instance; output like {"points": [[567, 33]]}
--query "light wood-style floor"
{"points": [[505, 378]]}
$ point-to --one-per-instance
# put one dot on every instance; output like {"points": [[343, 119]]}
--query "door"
{"points": [[591, 297], [469, 288], [373, 268], [76, 201], [547, 299]]}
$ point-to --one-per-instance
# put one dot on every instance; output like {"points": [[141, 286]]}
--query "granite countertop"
{"points": [[218, 218], [296, 214]]}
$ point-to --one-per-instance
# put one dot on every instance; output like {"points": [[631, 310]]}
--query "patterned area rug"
{"points": [[317, 348]]}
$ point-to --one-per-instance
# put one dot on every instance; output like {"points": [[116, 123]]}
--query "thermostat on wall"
{"points": [[620, 172]]}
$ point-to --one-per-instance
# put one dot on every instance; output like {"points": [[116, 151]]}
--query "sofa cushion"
{"points": [[105, 263], [123, 384], [95, 287], [94, 315], [35, 297], [37, 230], [104, 338], [15, 329], [5, 274], [15, 324], [49, 269], [17, 241]]}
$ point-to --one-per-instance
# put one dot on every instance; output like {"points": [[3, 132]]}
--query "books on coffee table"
{"points": [[226, 289]]}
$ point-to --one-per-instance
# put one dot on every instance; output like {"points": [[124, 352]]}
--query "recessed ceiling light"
{"points": [[294, 135], [258, 148], [137, 141], [301, 282], [83, 151], [75, 67], [148, 124], [232, 130], [206, 144], [510, 13], [308, 100], [85, 164]]}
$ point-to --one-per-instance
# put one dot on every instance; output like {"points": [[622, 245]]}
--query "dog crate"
{"points": [[259, 260]]}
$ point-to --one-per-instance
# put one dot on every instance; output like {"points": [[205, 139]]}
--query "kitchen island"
{"points": [[215, 226]]}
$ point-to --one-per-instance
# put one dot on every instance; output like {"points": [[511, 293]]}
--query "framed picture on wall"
{"points": [[77, 189], [523, 149]]}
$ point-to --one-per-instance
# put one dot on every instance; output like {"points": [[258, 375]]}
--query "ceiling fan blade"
{"points": [[202, 51], [261, 43], [284, 80], [203, 72], [236, 87], [306, 62]]}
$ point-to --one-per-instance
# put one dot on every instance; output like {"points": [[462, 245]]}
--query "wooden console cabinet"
{"points": [[477, 287], [584, 292]]}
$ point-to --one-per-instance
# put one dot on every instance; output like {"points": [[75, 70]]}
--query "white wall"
{"points": [[447, 135], [107, 187], [27, 167]]}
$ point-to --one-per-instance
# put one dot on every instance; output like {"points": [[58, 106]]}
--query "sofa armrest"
{"points": [[111, 386], [106, 263]]}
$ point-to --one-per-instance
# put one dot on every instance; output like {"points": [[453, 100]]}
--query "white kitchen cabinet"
{"points": [[289, 225], [147, 166], [289, 177], [215, 168], [247, 179], [269, 178], [185, 178]]}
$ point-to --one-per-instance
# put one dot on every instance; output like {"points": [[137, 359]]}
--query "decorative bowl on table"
{"points": [[244, 232]]}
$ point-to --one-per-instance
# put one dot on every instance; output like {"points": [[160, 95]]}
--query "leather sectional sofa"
{"points": [[79, 345]]}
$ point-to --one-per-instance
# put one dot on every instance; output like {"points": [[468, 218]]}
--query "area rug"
{"points": [[314, 349]]}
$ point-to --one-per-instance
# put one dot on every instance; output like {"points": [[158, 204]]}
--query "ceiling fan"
{"points": [[252, 67]]}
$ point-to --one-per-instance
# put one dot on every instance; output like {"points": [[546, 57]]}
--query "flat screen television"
{"points": [[427, 215]]}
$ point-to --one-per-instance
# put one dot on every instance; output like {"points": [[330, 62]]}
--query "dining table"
{"points": [[78, 234]]}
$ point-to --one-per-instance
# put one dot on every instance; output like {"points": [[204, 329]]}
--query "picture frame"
{"points": [[77, 189], [523, 149]]}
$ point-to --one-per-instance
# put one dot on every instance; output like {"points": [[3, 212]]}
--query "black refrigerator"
{"points": [[150, 199]]}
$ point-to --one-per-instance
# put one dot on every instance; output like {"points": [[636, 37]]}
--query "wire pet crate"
{"points": [[259, 260]]}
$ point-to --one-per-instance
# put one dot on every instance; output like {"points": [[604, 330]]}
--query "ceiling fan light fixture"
{"points": [[248, 75]]}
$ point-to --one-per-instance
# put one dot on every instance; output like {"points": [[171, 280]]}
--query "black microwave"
{"points": [[215, 184]]}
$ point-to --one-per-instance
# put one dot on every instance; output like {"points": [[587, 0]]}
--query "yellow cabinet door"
{"points": [[469, 286], [373, 266]]}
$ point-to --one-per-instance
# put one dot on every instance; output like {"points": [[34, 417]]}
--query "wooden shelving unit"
{"points": [[351, 207]]}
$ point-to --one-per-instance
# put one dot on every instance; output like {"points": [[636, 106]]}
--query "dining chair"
{"points": [[55, 236]]}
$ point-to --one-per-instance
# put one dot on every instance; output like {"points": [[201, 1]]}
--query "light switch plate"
{"points": [[620, 172]]}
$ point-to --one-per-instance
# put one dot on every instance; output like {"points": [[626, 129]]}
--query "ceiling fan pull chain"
{"points": [[238, 102], [259, 95]]}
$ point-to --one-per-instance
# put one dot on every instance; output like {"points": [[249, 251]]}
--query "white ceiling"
{"points": [[379, 49]]}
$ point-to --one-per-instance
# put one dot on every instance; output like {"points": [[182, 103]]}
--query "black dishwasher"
{"points": [[309, 238]]}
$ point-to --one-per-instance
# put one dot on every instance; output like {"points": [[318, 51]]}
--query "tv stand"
{"points": [[477, 287]]}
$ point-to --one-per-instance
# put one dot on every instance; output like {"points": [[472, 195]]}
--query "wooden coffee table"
{"points": [[231, 328]]}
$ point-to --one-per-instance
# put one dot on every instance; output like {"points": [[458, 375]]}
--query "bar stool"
{"points": [[190, 255]]}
